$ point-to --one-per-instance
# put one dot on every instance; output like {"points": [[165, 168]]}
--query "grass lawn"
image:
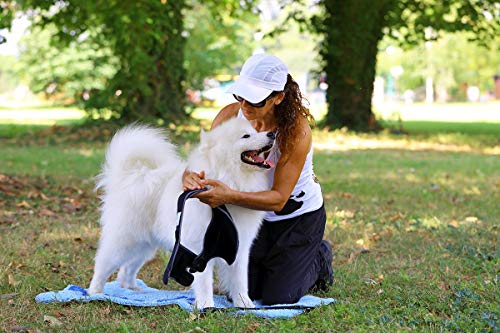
{"points": [[413, 219]]}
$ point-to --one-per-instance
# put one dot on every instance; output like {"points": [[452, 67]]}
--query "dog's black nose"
{"points": [[271, 135]]}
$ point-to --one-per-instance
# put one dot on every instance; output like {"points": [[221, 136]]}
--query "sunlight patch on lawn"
{"points": [[87, 152], [448, 112], [40, 116], [341, 142]]}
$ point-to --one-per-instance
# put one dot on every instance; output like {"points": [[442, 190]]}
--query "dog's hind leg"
{"points": [[127, 275], [108, 259]]}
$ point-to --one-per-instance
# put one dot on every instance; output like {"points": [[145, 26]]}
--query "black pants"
{"points": [[285, 258]]}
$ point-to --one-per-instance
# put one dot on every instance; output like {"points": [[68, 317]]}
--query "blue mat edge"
{"points": [[184, 299]]}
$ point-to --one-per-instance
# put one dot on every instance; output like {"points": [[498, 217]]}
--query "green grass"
{"points": [[413, 220], [40, 115], [432, 127]]}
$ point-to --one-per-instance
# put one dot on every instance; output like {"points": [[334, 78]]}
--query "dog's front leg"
{"points": [[236, 279], [203, 287]]}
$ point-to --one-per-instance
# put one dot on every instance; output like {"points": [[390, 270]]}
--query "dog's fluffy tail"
{"points": [[138, 160]]}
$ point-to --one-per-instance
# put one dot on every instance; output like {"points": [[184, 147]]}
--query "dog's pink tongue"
{"points": [[258, 159]]}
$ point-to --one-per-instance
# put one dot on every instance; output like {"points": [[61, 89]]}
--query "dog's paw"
{"points": [[204, 303], [94, 291], [131, 286], [243, 301]]}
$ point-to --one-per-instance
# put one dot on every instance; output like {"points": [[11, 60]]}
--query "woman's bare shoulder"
{"points": [[226, 113]]}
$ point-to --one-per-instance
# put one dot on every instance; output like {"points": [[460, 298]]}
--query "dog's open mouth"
{"points": [[253, 157]]}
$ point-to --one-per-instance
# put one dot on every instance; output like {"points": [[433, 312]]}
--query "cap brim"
{"points": [[248, 91]]}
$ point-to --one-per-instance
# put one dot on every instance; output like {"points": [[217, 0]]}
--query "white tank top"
{"points": [[306, 195]]}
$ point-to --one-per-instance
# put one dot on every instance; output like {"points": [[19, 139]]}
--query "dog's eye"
{"points": [[246, 136]]}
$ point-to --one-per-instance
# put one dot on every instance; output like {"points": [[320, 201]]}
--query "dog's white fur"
{"points": [[141, 180]]}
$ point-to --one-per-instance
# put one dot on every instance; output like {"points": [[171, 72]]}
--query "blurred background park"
{"points": [[406, 94], [163, 62]]}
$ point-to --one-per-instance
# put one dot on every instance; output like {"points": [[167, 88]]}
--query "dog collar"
{"points": [[220, 240]]}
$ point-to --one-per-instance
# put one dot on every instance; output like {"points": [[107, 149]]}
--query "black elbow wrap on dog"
{"points": [[221, 240]]}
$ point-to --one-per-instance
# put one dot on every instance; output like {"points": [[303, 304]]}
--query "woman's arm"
{"points": [[226, 113], [286, 175]]}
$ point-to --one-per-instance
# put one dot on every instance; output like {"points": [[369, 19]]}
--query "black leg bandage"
{"points": [[221, 240]]}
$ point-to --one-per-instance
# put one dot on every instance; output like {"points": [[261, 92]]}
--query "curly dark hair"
{"points": [[288, 112]]}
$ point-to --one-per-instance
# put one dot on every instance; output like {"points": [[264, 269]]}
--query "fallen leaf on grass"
{"points": [[7, 192], [395, 217], [8, 296], [127, 311], [371, 282], [12, 282], [252, 327], [352, 256], [23, 204], [70, 190], [70, 208], [59, 314], [46, 212], [472, 219], [107, 310], [52, 321], [36, 195]]}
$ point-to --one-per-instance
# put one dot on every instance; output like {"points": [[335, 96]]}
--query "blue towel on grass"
{"points": [[185, 299]]}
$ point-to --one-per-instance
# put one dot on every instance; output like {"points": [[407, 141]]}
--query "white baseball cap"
{"points": [[260, 75]]}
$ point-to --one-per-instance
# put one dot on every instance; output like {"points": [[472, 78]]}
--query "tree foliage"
{"points": [[450, 61], [217, 40], [139, 61], [9, 78], [352, 30], [7, 13], [145, 37], [412, 21], [66, 74], [148, 38]]}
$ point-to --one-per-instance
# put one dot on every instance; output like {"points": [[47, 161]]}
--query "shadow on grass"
{"points": [[10, 130], [84, 131]]}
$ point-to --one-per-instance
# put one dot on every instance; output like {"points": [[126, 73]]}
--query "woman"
{"points": [[288, 256]]}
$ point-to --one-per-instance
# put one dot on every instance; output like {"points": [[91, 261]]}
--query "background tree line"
{"points": [[134, 60]]}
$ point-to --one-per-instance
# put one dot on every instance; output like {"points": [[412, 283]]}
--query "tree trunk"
{"points": [[353, 30], [158, 65]]}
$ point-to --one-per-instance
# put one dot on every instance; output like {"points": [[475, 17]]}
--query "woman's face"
{"points": [[253, 113]]}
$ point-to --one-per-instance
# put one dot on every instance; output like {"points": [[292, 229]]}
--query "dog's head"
{"points": [[236, 142]]}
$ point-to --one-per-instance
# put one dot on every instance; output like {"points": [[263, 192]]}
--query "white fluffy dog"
{"points": [[141, 181]]}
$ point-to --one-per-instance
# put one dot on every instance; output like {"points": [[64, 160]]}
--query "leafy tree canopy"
{"points": [[352, 30], [146, 42]]}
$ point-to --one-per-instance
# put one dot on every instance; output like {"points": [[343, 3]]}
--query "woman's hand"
{"points": [[192, 180], [217, 195]]}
